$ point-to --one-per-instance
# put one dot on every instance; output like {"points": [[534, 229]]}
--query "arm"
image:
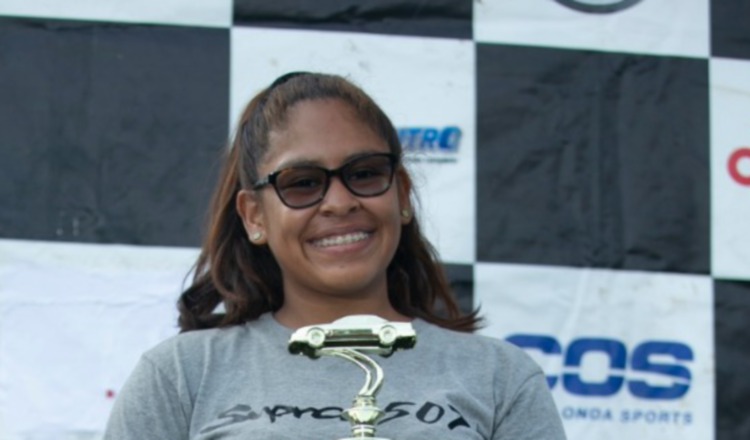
{"points": [[149, 406], [532, 414]]}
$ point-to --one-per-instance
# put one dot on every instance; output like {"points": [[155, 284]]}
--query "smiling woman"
{"points": [[322, 243], [312, 221]]}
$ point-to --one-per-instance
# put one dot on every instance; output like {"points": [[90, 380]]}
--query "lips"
{"points": [[342, 239]]}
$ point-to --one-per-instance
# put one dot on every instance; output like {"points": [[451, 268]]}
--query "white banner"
{"points": [[625, 352], [74, 319], [216, 13]]}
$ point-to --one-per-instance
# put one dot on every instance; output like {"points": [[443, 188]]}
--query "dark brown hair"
{"points": [[246, 278]]}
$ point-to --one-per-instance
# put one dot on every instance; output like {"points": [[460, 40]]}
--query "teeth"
{"points": [[341, 239]]}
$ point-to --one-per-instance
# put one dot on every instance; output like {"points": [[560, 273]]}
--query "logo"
{"points": [[430, 144], [651, 370], [733, 164], [444, 416], [598, 6]]}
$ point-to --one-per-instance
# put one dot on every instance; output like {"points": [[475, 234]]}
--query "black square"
{"points": [[461, 279], [730, 32], [436, 18], [109, 132], [732, 345], [592, 159]]}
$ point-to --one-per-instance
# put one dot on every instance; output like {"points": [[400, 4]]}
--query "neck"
{"points": [[302, 311]]}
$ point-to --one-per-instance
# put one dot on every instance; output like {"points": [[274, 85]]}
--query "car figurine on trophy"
{"points": [[353, 338]]}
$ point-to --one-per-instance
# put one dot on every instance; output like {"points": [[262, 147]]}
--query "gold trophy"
{"points": [[353, 338]]}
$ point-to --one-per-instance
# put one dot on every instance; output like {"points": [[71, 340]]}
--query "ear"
{"points": [[249, 208], [403, 184]]}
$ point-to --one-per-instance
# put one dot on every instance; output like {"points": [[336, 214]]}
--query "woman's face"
{"points": [[342, 245]]}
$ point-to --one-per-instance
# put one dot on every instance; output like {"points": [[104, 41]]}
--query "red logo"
{"points": [[734, 166]]}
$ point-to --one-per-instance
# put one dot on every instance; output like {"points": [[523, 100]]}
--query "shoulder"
{"points": [[196, 351], [488, 359], [473, 345], [188, 353], [194, 341], [493, 371], [524, 407]]}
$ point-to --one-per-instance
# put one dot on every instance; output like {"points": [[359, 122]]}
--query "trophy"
{"points": [[353, 338]]}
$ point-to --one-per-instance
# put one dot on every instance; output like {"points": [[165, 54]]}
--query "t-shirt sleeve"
{"points": [[532, 414], [149, 406]]}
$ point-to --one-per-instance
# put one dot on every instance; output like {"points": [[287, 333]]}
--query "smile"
{"points": [[341, 239]]}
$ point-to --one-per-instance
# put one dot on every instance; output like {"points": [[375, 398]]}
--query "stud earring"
{"points": [[405, 213], [255, 236]]}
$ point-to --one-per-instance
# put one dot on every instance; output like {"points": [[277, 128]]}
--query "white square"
{"points": [[216, 13], [630, 353], [730, 169], [421, 83], [664, 27]]}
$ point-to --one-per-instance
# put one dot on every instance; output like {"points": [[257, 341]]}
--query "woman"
{"points": [[313, 221]]}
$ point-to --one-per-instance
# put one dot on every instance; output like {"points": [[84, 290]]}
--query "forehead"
{"points": [[325, 132]]}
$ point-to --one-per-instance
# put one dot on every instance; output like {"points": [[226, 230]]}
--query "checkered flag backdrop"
{"points": [[583, 169]]}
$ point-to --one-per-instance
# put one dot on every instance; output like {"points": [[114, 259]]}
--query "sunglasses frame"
{"points": [[329, 173]]}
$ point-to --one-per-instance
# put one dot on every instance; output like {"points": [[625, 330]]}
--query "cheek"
{"points": [[393, 216], [285, 225]]}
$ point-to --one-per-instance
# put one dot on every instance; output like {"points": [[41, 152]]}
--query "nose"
{"points": [[338, 199]]}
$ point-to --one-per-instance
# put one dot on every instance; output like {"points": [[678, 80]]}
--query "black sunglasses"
{"points": [[305, 185]]}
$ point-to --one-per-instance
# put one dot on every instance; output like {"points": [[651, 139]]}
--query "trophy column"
{"points": [[364, 415]]}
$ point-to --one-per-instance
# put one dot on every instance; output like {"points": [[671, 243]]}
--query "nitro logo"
{"points": [[598, 6], [629, 368], [739, 166], [430, 144]]}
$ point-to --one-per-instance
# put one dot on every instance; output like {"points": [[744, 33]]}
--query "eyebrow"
{"points": [[295, 163]]}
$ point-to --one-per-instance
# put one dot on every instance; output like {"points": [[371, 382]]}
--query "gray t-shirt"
{"points": [[242, 383]]}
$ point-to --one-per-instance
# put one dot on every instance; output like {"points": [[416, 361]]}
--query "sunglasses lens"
{"points": [[368, 176], [300, 187]]}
